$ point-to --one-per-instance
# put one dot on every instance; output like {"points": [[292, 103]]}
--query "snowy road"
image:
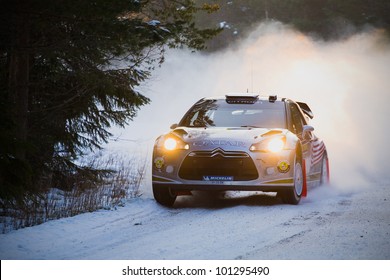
{"points": [[329, 224]]}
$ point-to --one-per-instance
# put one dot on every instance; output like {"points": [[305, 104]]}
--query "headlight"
{"points": [[272, 144], [275, 145], [172, 143]]}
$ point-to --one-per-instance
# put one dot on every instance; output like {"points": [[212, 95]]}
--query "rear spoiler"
{"points": [[306, 109]]}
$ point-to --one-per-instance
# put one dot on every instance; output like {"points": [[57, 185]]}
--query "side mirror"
{"points": [[174, 126], [307, 129]]}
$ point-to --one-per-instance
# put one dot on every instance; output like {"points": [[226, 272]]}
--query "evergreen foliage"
{"points": [[69, 70]]}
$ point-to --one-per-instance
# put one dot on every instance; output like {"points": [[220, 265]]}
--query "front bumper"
{"points": [[220, 170]]}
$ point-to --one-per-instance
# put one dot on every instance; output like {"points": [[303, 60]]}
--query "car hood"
{"points": [[225, 136]]}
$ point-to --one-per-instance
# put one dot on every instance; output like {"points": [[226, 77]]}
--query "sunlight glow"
{"points": [[170, 144], [276, 145]]}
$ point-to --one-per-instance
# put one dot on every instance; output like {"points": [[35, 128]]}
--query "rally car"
{"points": [[240, 142]]}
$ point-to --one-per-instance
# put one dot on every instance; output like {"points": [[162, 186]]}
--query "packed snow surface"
{"points": [[328, 224]]}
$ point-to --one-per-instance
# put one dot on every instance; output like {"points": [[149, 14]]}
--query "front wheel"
{"points": [[163, 195], [293, 195], [324, 180]]}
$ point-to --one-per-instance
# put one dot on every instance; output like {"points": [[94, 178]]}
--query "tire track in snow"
{"points": [[328, 224]]}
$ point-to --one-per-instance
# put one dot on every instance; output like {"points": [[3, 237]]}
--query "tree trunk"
{"points": [[19, 69]]}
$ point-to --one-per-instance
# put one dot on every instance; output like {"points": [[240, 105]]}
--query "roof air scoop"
{"points": [[272, 98], [241, 99]]}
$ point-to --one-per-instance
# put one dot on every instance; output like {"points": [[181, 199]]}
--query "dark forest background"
{"points": [[322, 19]]}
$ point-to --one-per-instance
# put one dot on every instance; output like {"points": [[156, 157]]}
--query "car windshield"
{"points": [[219, 113]]}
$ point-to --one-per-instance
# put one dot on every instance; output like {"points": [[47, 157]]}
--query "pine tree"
{"points": [[69, 70]]}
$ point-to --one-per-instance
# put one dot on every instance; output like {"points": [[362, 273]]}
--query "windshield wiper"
{"points": [[250, 126]]}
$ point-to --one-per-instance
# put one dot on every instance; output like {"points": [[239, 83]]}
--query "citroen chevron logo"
{"points": [[219, 152]]}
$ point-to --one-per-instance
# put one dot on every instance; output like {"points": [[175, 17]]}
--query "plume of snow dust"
{"points": [[346, 84]]}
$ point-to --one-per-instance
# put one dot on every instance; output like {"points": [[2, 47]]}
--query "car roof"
{"points": [[245, 98]]}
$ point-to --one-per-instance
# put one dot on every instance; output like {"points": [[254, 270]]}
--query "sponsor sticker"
{"points": [[219, 143], [283, 166], [159, 162], [218, 178]]}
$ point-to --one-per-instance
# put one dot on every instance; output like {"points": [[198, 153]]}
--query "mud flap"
{"points": [[304, 190], [327, 168]]}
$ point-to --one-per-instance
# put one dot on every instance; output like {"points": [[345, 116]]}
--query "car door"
{"points": [[296, 125]]}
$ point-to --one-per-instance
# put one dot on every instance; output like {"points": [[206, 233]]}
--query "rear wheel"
{"points": [[293, 195], [163, 195]]}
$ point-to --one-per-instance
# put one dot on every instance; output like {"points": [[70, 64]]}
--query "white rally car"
{"points": [[240, 142]]}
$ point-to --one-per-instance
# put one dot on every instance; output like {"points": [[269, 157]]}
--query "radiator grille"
{"points": [[218, 162]]}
